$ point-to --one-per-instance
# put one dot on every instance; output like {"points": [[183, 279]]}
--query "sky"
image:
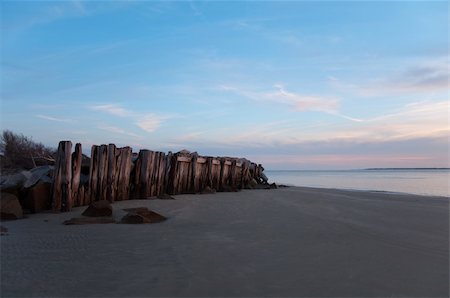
{"points": [[289, 84]]}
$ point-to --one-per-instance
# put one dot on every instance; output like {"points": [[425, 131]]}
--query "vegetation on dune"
{"points": [[21, 152]]}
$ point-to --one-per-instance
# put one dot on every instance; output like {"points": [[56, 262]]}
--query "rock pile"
{"points": [[141, 215]]}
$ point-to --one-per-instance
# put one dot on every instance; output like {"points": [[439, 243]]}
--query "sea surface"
{"points": [[415, 181]]}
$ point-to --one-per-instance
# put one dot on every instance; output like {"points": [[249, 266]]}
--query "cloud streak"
{"points": [[150, 122], [112, 109], [296, 101], [54, 119]]}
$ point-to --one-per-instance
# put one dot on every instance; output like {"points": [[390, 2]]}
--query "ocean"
{"points": [[433, 182]]}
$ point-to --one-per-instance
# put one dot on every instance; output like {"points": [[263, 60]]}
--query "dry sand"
{"points": [[285, 242]]}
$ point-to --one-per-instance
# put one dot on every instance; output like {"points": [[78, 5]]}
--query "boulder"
{"points": [[39, 197], [39, 174], [14, 181], [273, 186], [10, 207], [208, 190], [165, 197], [98, 208], [262, 186], [141, 215], [3, 231], [89, 220], [253, 183], [264, 178]]}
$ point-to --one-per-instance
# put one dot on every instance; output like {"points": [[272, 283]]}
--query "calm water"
{"points": [[423, 182]]}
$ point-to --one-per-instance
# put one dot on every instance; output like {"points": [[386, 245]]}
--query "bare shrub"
{"points": [[21, 152]]}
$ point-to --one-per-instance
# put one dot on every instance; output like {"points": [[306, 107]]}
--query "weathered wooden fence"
{"points": [[115, 174]]}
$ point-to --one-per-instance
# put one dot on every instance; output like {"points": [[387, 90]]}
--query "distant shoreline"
{"points": [[366, 169]]}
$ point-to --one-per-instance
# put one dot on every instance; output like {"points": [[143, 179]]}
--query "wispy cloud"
{"points": [[50, 118], [150, 122], [297, 101], [113, 109], [118, 130]]}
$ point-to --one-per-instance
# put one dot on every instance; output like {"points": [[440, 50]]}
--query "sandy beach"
{"points": [[285, 242]]}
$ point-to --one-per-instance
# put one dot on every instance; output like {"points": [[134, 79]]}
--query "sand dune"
{"points": [[285, 242]]}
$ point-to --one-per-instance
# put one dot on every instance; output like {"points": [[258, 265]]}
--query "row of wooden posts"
{"points": [[116, 174]]}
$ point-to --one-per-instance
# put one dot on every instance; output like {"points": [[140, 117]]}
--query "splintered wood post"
{"points": [[124, 173], [102, 172], [118, 163], [143, 187], [238, 175], [62, 192], [168, 169], [111, 176], [153, 173], [194, 186], [93, 169], [161, 173], [172, 181], [233, 174], [209, 171], [81, 193], [76, 172], [222, 167], [245, 174]]}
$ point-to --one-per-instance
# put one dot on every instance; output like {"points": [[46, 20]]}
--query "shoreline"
{"points": [[387, 192], [294, 241]]}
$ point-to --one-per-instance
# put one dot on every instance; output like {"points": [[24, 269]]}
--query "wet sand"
{"points": [[286, 242]]}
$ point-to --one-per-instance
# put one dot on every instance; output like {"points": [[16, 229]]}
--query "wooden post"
{"points": [[209, 165], [143, 180], [194, 185], [233, 174], [62, 192], [153, 173], [93, 169], [167, 177], [161, 173], [76, 172], [172, 181], [102, 172], [111, 175], [123, 190]]}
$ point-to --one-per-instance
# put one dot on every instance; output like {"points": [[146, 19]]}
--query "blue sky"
{"points": [[292, 85]]}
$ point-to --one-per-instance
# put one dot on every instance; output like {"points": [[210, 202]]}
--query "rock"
{"points": [[3, 231], [165, 197], [15, 181], [262, 186], [98, 208], [141, 215], [282, 186], [253, 183], [10, 207], [39, 197], [38, 174], [273, 186], [264, 178], [89, 220]]}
